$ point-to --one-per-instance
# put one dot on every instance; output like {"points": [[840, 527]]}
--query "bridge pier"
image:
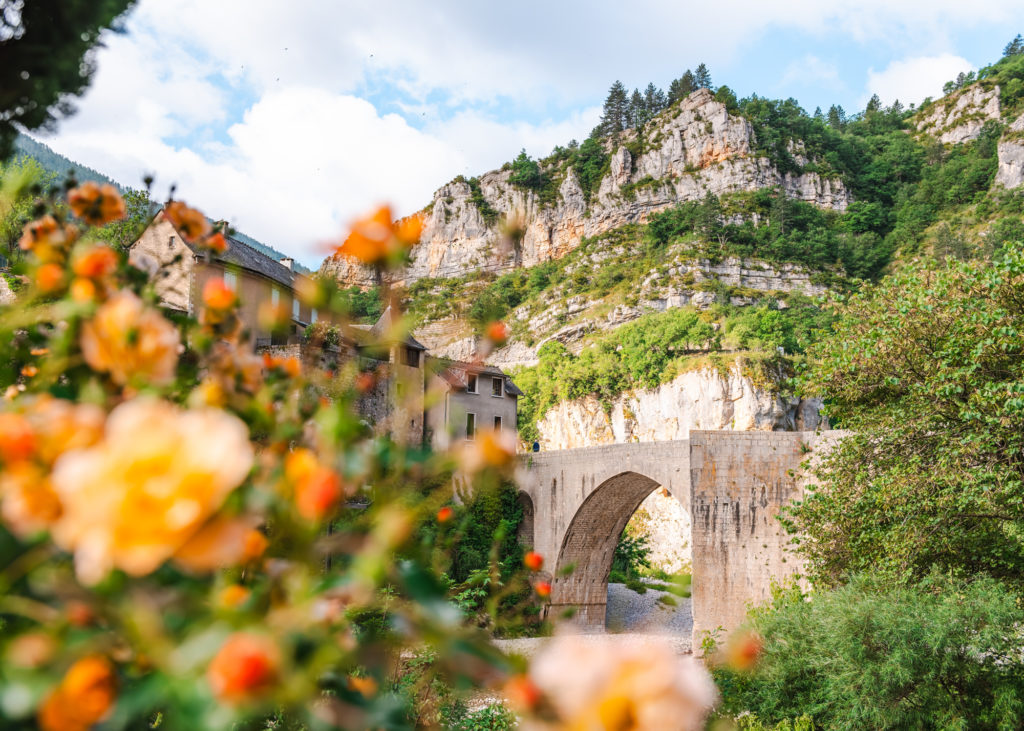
{"points": [[733, 484]]}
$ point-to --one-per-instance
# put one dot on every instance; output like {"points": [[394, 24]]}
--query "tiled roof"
{"points": [[245, 257], [384, 325]]}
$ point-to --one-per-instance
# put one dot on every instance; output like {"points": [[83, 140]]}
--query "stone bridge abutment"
{"points": [[733, 485]]}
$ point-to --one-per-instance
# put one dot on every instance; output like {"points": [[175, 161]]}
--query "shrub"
{"points": [[939, 654]]}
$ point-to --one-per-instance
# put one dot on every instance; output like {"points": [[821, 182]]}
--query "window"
{"points": [[313, 316], [497, 423], [410, 357], [471, 383], [496, 386], [275, 296], [231, 279], [470, 426], [295, 308]]}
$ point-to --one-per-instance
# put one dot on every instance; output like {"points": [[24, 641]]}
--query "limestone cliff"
{"points": [[959, 117], [1011, 156], [690, 150], [700, 399]]}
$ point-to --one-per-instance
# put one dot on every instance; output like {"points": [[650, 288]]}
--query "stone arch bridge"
{"points": [[733, 484]]}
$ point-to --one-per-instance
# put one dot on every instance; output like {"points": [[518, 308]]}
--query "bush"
{"points": [[939, 654]]}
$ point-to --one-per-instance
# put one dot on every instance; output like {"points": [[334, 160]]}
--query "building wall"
{"points": [[447, 419], [408, 386], [173, 281]]}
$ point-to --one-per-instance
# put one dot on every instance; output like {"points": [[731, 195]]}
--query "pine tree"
{"points": [[681, 88], [637, 110], [45, 58], [836, 117], [654, 99], [702, 78], [616, 108], [874, 104], [818, 115], [1014, 47]]}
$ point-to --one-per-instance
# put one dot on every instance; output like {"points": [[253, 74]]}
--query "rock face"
{"points": [[693, 149], [1011, 156], [960, 117], [702, 399]]}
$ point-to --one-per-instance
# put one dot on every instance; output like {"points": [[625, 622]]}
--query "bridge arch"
{"points": [[589, 546]]}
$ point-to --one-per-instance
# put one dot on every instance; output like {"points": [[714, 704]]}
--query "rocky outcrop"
{"points": [[959, 117], [693, 149], [701, 399], [1011, 156]]}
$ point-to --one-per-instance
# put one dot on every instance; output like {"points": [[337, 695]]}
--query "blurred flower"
{"points": [[83, 290], [376, 240], [523, 695], [191, 224], [96, 204], [489, 448], [497, 332], [83, 698], [291, 366], [604, 683], [543, 589], [159, 473], [61, 425], [79, 614], [234, 596], [96, 262], [29, 371], [49, 277], [743, 649], [363, 685], [17, 438], [47, 239], [130, 341], [310, 292], [217, 295], [31, 650], [445, 514], [365, 381], [533, 561], [216, 242], [244, 668], [221, 543], [317, 488], [30, 504]]}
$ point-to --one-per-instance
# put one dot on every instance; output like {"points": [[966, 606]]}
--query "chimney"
{"points": [[287, 263]]}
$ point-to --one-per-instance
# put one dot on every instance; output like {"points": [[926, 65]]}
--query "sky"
{"points": [[291, 119]]}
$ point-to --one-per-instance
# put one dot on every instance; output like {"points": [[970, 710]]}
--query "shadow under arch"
{"points": [[525, 530], [589, 545]]}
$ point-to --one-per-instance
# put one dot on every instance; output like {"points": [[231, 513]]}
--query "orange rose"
{"points": [[130, 341], [221, 543], [376, 240], [95, 263], [217, 242], [83, 698], [217, 295], [543, 589], [29, 502], [743, 650], [95, 204], [191, 224], [490, 448], [49, 277], [445, 514], [234, 596], [83, 290], [533, 561], [47, 239], [245, 667], [135, 498], [497, 333], [17, 438], [317, 487]]}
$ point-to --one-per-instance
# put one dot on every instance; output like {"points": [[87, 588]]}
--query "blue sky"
{"points": [[291, 119]]}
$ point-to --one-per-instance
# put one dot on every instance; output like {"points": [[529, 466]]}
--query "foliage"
{"points": [[632, 555], [494, 717], [939, 654], [46, 57], [126, 231], [476, 197], [926, 370], [361, 305], [21, 182], [526, 173], [259, 556]]}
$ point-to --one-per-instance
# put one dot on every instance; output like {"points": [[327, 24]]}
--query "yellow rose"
{"points": [[138, 495], [130, 341]]}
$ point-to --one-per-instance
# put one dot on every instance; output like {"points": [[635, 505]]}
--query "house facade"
{"points": [[466, 398], [259, 280]]}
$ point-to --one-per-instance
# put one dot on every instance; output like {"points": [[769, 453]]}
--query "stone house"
{"points": [[467, 397], [257, 278]]}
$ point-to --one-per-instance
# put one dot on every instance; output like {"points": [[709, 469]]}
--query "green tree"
{"points": [[681, 88], [637, 110], [615, 117], [46, 58], [21, 182], [654, 99], [139, 210], [702, 78], [1014, 47], [927, 370], [526, 172]]}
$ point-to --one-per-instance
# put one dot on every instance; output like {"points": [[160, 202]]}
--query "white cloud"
{"points": [[913, 79]]}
